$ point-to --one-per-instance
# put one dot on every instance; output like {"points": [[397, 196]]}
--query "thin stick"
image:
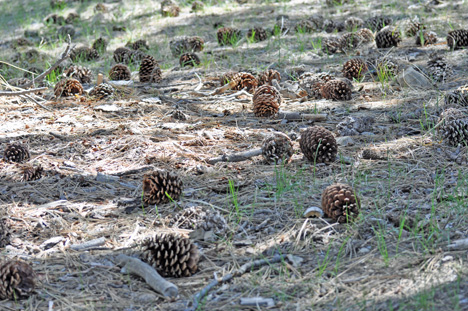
{"points": [[301, 116], [151, 277], [236, 157], [88, 244], [17, 93], [243, 269], [63, 57], [37, 103]]}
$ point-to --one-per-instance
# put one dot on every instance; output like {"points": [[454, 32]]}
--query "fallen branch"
{"points": [[151, 277], [131, 171], [63, 57], [301, 116], [23, 92], [236, 157], [243, 269], [88, 244]]}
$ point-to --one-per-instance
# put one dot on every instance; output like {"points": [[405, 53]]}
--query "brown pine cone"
{"points": [[336, 90], [100, 45], [277, 149], [377, 23], [332, 45], [185, 44], [318, 145], [138, 45], [68, 87], [189, 59], [244, 80], [354, 68], [158, 185], [80, 73], [340, 203], [227, 77], [454, 129], [387, 38], [458, 97], [426, 38], [120, 72], [30, 172], [149, 70], [83, 54], [123, 55], [457, 39], [17, 279], [228, 36], [412, 27], [353, 23], [72, 17], [266, 101], [313, 83], [171, 255], [366, 35], [350, 41], [197, 6], [305, 26], [438, 68], [54, 19], [333, 26], [16, 153], [102, 90], [267, 76], [169, 9], [257, 34]]}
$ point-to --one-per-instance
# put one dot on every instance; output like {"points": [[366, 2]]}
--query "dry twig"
{"points": [[236, 157]]}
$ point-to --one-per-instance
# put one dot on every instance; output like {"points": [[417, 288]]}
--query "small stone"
{"points": [[413, 79], [344, 141], [313, 211]]}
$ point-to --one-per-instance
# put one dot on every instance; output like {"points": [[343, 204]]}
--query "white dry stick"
{"points": [[23, 92], [236, 157], [151, 277], [301, 116], [458, 245], [88, 244]]}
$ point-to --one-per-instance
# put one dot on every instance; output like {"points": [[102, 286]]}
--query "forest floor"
{"points": [[397, 255]]}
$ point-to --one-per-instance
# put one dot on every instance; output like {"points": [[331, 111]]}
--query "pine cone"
{"points": [[149, 70], [169, 9], [426, 38], [266, 77], [387, 38], [371, 154], [244, 80], [318, 145], [282, 25], [30, 172], [353, 23], [120, 72], [458, 97], [196, 217], [354, 68], [68, 87], [305, 26], [340, 203], [158, 185], [137, 56], [266, 101], [16, 153], [189, 59], [102, 90], [377, 23], [4, 232], [228, 35], [123, 55], [181, 45], [257, 33], [171, 255], [17, 279], [277, 149], [386, 66], [331, 45], [313, 83], [227, 77], [100, 45], [54, 19], [197, 6], [72, 17], [413, 26], [79, 73], [83, 53], [138, 45], [438, 68], [456, 39], [454, 130], [336, 90], [350, 41], [366, 35]]}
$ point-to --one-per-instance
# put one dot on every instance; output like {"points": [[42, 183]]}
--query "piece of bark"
{"points": [[149, 274], [236, 157]]}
